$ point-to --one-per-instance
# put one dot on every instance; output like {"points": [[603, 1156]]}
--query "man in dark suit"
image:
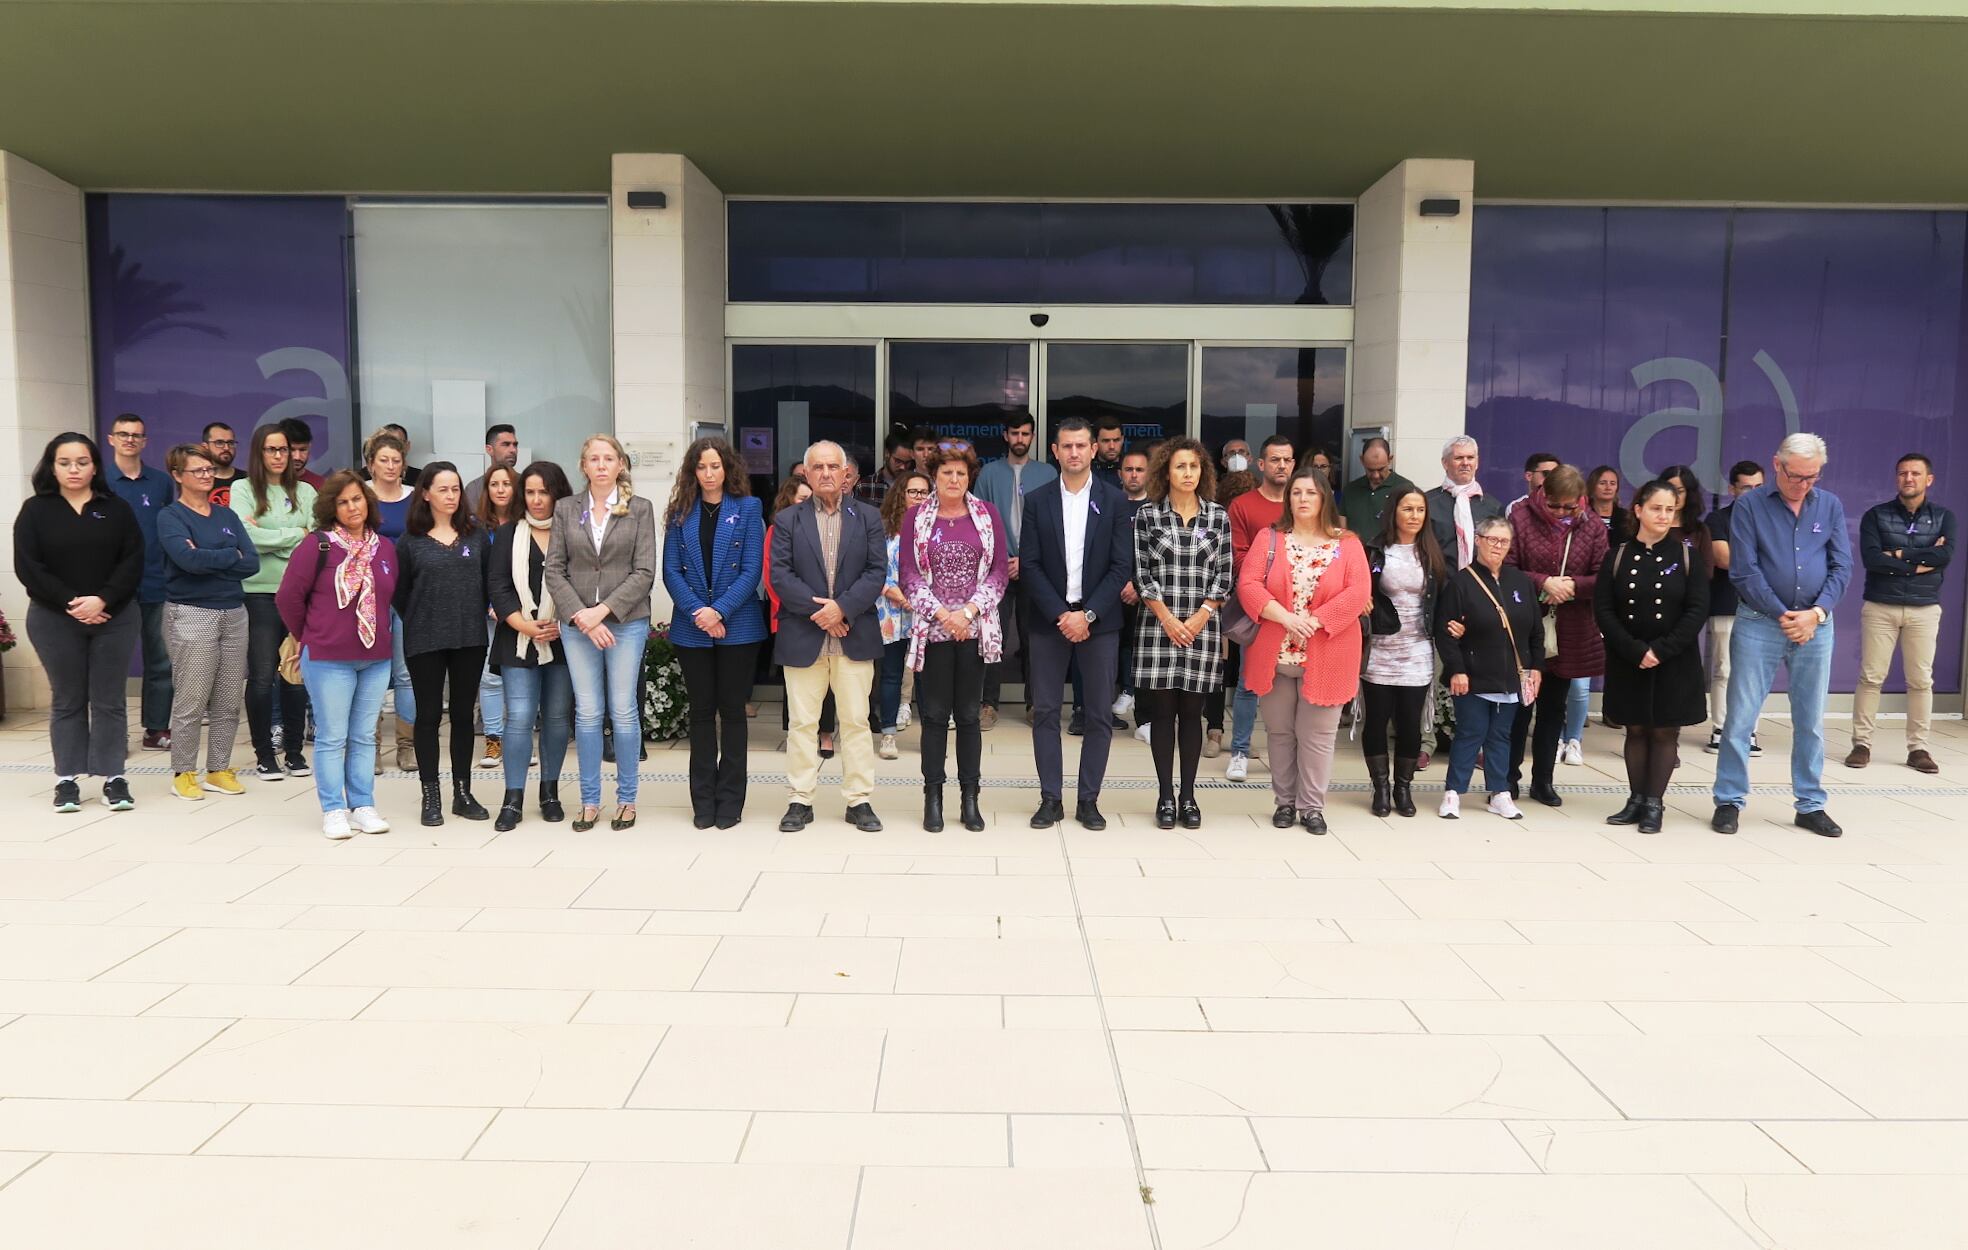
{"points": [[1075, 555], [829, 562]]}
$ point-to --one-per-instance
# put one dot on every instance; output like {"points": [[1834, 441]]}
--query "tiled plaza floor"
{"points": [[219, 1030]]}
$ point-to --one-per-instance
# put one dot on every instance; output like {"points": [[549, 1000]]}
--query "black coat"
{"points": [[1483, 652], [1654, 598], [1383, 617], [505, 597]]}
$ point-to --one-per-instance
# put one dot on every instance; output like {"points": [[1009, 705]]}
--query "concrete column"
{"points": [[668, 301], [44, 362], [1411, 311]]}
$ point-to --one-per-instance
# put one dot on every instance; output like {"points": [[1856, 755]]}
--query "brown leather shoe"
{"points": [[1861, 756], [1921, 762]]}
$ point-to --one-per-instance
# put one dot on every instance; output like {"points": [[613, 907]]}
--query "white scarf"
{"points": [[522, 554], [1465, 525]]}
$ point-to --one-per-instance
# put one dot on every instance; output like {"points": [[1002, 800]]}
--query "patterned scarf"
{"points": [[1464, 523], [990, 639], [355, 580]]}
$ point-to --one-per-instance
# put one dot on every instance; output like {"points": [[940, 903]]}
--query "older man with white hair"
{"points": [[1458, 505], [829, 564], [1790, 561]]}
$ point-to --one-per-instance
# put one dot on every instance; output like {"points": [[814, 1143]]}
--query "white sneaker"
{"points": [[1451, 808], [888, 750], [368, 820], [1572, 752], [1502, 805], [1141, 733], [1714, 742], [1124, 704], [1239, 769], [902, 718], [335, 826]]}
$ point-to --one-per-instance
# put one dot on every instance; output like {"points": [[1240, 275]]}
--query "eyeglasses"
{"points": [[915, 492], [207, 471], [129, 436], [1500, 540], [1802, 479], [1564, 509], [222, 442], [955, 444], [276, 451]]}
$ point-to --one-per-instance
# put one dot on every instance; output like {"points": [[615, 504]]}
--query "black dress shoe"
{"points": [[1314, 822], [1077, 726], [798, 816], [863, 817], [1120, 722], [1050, 813], [1192, 816], [1284, 817], [1820, 823], [728, 821], [1652, 813], [703, 820], [1724, 820], [1165, 814], [1545, 793], [1088, 814], [1630, 814]]}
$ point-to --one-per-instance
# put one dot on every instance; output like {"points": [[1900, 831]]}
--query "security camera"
{"points": [[1039, 319]]}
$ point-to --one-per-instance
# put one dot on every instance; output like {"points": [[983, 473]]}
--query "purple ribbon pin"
{"points": [[467, 550], [1515, 597], [1817, 527], [1095, 505], [228, 533]]}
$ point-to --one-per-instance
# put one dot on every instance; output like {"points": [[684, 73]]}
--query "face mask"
{"points": [[1237, 464]]}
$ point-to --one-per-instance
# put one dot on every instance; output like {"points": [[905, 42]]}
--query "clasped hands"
{"points": [[88, 609]]}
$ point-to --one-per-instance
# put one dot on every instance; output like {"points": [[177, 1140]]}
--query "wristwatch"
{"points": [[970, 612], [1823, 615]]}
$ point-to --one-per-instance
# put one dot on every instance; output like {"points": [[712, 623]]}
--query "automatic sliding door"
{"points": [[959, 390], [1145, 385], [1254, 392]]}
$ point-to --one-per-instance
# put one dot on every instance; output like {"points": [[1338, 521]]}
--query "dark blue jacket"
{"points": [[799, 574], [1107, 564], [1925, 536], [730, 585], [148, 494], [209, 557]]}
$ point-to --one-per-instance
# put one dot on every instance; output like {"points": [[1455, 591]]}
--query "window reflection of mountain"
{"points": [[141, 308]]}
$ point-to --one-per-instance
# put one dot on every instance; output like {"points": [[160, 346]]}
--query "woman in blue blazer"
{"points": [[713, 555]]}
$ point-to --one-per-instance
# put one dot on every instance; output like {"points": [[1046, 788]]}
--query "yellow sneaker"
{"points": [[223, 782], [185, 786]]}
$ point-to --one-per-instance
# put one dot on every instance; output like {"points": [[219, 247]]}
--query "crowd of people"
{"points": [[1157, 580]]}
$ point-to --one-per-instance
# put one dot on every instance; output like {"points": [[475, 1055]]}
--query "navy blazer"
{"points": [[799, 575], [730, 585], [1106, 565]]}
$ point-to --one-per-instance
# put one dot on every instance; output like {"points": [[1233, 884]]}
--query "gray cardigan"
{"points": [[622, 575]]}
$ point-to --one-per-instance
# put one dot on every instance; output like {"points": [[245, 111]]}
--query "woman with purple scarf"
{"points": [[953, 570]]}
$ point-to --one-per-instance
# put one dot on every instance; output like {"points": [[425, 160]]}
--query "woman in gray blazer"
{"points": [[601, 569]]}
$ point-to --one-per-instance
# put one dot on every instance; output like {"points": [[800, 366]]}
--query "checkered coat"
{"points": [[1180, 565]]}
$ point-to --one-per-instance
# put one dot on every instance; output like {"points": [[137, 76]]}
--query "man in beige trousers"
{"points": [[1905, 545]]}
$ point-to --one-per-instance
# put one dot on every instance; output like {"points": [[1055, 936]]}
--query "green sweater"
{"points": [[274, 534]]}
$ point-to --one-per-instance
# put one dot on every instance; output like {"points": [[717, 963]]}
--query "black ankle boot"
{"points": [[511, 809], [1404, 775], [550, 808], [932, 809], [1383, 797], [1652, 813], [463, 804], [433, 813], [972, 815], [1630, 814]]}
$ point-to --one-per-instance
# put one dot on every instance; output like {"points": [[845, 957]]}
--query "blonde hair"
{"points": [[624, 488]]}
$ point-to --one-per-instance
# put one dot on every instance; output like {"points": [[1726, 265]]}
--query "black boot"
{"points": [[511, 808], [1652, 813], [1383, 798], [1630, 814], [971, 814], [550, 808], [1404, 775], [463, 804], [932, 809], [433, 813]]}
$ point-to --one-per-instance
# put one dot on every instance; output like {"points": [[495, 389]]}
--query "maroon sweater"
{"points": [[1537, 545], [306, 600]]}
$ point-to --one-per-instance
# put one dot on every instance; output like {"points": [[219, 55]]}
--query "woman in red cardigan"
{"points": [[1306, 583]]}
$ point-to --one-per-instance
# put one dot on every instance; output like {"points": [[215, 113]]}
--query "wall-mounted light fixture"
{"points": [[1441, 208], [648, 199]]}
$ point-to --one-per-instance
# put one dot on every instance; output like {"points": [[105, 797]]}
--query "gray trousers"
{"points": [[1051, 655], [208, 669], [87, 665], [1300, 738]]}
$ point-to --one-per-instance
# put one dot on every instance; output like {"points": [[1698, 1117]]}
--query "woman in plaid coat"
{"points": [[1182, 575]]}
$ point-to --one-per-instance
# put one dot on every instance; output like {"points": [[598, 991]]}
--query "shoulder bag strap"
{"points": [[1501, 615]]}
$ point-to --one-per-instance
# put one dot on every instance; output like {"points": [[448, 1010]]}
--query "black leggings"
{"points": [[1400, 706], [428, 673], [718, 680], [1652, 751], [951, 683], [1174, 716]]}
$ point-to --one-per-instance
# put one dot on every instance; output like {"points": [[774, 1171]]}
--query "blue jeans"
{"points": [[491, 690], [156, 670], [607, 684], [894, 659], [1757, 647], [406, 698], [1481, 726], [548, 694], [1578, 706], [347, 697], [1243, 711]]}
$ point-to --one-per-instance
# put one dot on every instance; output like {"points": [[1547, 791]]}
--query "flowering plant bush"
{"points": [[7, 639], [665, 706]]}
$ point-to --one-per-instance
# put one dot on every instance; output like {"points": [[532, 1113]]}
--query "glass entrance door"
{"points": [[1144, 385], [959, 390], [1254, 392]]}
